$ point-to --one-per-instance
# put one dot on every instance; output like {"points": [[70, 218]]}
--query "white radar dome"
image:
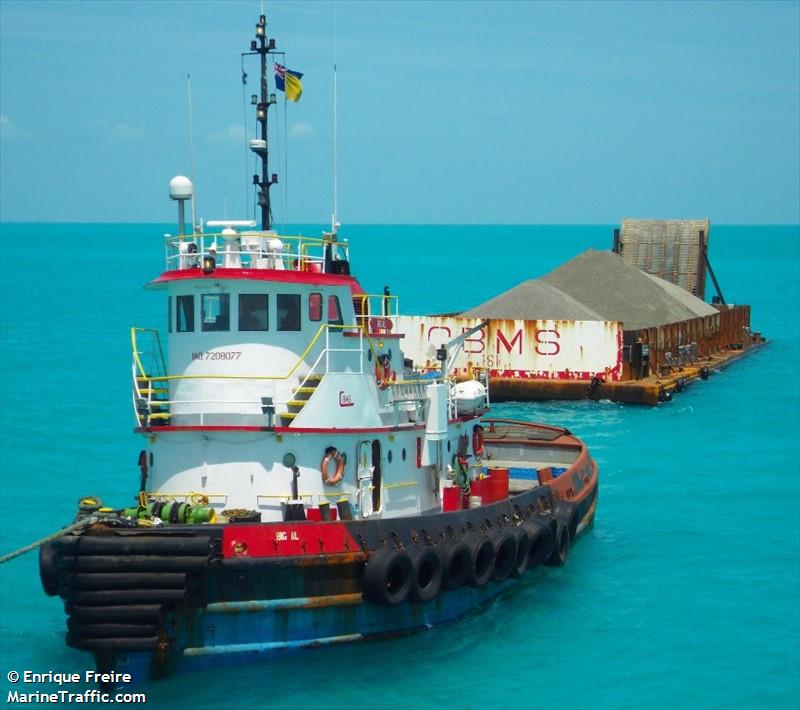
{"points": [[180, 188]]}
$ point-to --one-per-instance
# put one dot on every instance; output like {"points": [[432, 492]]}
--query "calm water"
{"points": [[685, 594]]}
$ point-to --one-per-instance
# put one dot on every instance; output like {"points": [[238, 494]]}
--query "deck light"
{"points": [[272, 99], [261, 28], [272, 44], [253, 46], [274, 178], [253, 99], [209, 264], [256, 180], [268, 408], [261, 111]]}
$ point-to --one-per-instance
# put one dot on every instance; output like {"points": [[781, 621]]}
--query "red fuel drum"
{"points": [[498, 478]]}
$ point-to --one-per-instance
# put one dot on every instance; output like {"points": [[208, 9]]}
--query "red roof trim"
{"points": [[376, 336], [170, 428], [273, 275], [345, 430]]}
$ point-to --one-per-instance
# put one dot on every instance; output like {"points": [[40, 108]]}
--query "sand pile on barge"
{"points": [[621, 292], [596, 285], [533, 300]]}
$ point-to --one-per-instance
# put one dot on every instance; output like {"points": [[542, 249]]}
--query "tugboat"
{"points": [[301, 482]]}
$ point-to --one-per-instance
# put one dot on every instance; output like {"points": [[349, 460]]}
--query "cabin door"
{"points": [[376, 476], [364, 479]]}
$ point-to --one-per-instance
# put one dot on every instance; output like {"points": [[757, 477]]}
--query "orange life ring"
{"points": [[477, 440], [325, 468]]}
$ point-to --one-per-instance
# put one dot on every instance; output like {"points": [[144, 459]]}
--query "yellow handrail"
{"points": [[136, 357], [322, 328]]}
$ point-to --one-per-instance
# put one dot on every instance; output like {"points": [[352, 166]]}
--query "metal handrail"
{"points": [[296, 258]]}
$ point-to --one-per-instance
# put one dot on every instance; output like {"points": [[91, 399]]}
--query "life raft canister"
{"points": [[332, 454]]}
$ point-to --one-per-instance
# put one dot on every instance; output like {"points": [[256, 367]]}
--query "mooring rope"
{"points": [[84, 522]]}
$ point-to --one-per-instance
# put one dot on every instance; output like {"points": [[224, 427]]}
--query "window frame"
{"points": [[296, 308], [224, 312], [249, 312], [190, 321]]}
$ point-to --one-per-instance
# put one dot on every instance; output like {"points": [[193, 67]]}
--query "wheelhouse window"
{"points": [[215, 311], [184, 314], [315, 306], [288, 311], [334, 311], [253, 311]]}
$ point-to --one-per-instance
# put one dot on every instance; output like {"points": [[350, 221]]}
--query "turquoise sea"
{"points": [[685, 594]]}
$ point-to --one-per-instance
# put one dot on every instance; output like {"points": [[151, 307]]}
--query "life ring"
{"points": [[477, 440], [482, 561], [427, 574], [332, 454], [456, 564], [505, 555], [387, 577]]}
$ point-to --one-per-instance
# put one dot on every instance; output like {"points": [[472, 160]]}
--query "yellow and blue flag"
{"points": [[288, 82]]}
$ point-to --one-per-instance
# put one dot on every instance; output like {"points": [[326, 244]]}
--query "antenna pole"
{"points": [[263, 47], [334, 225], [191, 151]]}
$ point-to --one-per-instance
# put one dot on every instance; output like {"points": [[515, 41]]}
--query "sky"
{"points": [[448, 112]]}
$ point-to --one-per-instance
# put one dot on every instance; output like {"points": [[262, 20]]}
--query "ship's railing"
{"points": [[376, 307], [149, 371], [257, 250], [151, 381]]}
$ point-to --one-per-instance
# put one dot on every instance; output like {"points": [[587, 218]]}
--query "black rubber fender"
{"points": [[563, 540], [388, 577], [481, 550], [523, 539], [456, 564], [88, 630], [140, 643], [113, 597], [568, 512], [505, 555], [127, 580], [542, 534], [48, 572], [427, 574], [132, 563], [172, 545], [122, 614]]}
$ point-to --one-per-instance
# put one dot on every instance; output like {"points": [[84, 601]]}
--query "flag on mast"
{"points": [[288, 82]]}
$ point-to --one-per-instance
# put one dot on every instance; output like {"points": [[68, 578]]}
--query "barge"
{"points": [[301, 482]]}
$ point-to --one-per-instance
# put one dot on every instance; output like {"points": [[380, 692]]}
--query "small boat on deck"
{"points": [[301, 483]]}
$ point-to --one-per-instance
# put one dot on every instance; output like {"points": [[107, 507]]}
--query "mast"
{"points": [[263, 47]]}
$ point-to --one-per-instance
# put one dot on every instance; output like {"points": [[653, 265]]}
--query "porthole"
{"points": [[389, 456], [403, 454], [448, 447]]}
